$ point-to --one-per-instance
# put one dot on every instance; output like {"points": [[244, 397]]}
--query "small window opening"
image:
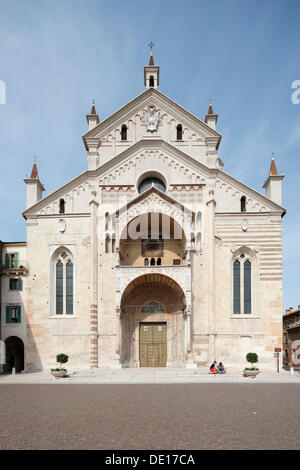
{"points": [[61, 206], [151, 81], [124, 132], [146, 262], [243, 204], [152, 262], [179, 132], [158, 261], [107, 243]]}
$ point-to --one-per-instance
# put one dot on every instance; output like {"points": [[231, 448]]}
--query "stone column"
{"points": [[211, 204], [118, 337], [188, 336], [94, 283]]}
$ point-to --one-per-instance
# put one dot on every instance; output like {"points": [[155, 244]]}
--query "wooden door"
{"points": [[153, 344]]}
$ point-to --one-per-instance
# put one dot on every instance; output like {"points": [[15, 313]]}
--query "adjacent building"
{"points": [[291, 334]]}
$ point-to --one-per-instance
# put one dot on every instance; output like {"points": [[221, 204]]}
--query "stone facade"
{"points": [[81, 236]]}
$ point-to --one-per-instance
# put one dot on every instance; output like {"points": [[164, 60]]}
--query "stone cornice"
{"points": [[35, 181]]}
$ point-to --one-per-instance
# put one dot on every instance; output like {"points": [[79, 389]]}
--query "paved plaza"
{"points": [[249, 415]]}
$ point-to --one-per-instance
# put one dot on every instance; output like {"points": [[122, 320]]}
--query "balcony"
{"points": [[20, 269]]}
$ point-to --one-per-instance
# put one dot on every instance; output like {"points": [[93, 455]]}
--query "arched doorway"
{"points": [[14, 354], [152, 322]]}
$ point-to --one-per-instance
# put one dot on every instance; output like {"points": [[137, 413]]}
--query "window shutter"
{"points": [[16, 261], [7, 314], [6, 260], [10, 284], [19, 313], [20, 284]]}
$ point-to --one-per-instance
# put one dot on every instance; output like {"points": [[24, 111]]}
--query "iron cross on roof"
{"points": [[151, 45]]}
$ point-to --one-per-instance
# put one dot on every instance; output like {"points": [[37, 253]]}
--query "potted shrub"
{"points": [[60, 371], [251, 371]]}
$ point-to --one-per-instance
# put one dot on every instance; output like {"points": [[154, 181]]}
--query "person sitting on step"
{"points": [[221, 368], [213, 368]]}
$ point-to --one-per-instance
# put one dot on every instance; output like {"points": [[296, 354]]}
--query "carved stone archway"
{"points": [[156, 288]]}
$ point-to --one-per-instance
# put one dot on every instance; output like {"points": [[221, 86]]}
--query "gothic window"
{"points": [[151, 80], [236, 287], [124, 132], [243, 204], [64, 284], [242, 284], [179, 132], [247, 287], [107, 220], [61, 206], [107, 243]]}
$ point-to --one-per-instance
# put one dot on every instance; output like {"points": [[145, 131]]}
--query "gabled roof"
{"points": [[145, 194], [129, 152], [140, 100]]}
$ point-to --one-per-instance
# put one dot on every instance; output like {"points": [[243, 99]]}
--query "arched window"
{"points": [[179, 132], [61, 206], [152, 262], [242, 285], [247, 287], [236, 287], [124, 132], [146, 262], [64, 284], [158, 261], [113, 244], [107, 220], [151, 181], [151, 80], [243, 204], [107, 243]]}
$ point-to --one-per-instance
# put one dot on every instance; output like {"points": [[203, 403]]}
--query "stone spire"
{"points": [[151, 71], [211, 118], [34, 188], [92, 118], [151, 60], [273, 169], [273, 183], [34, 171]]}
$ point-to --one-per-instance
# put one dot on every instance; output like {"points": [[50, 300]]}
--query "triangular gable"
{"points": [[173, 152], [145, 195], [141, 101]]}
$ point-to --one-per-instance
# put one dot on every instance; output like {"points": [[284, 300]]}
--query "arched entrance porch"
{"points": [[14, 354], [153, 329]]}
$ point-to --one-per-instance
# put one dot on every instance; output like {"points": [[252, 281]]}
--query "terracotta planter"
{"points": [[58, 374], [250, 373]]}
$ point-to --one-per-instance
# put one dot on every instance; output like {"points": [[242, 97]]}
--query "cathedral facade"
{"points": [[154, 256]]}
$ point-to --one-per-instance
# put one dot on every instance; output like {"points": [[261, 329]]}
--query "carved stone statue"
{"points": [[151, 118]]}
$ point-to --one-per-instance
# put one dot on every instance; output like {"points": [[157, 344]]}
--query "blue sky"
{"points": [[55, 57]]}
